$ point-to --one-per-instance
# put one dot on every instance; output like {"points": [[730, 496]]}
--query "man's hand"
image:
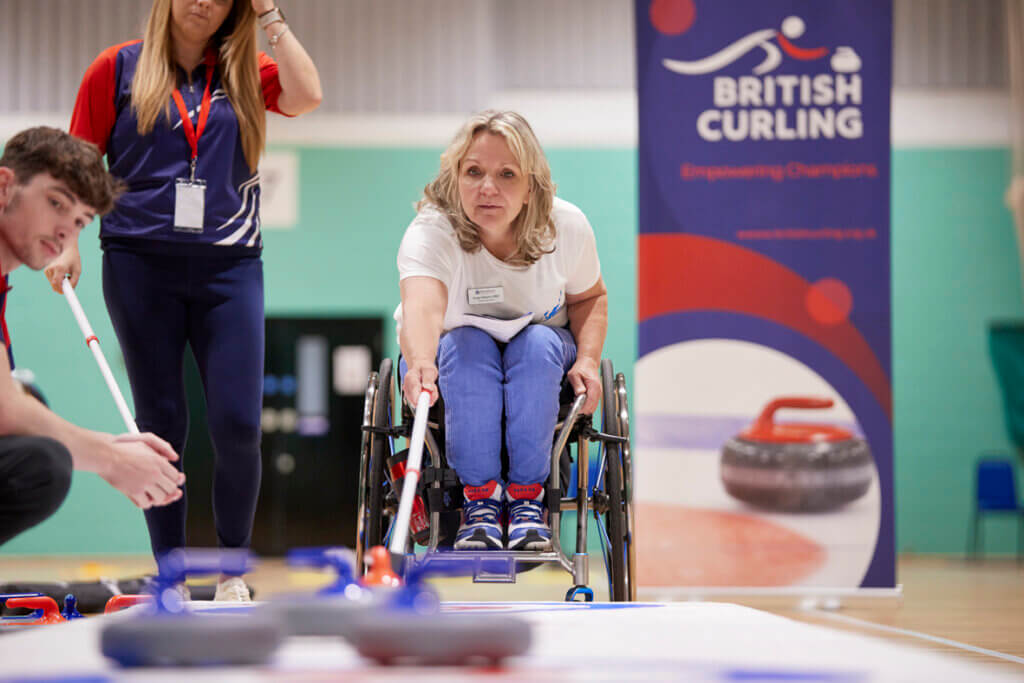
{"points": [[140, 468], [68, 263], [418, 378], [585, 376]]}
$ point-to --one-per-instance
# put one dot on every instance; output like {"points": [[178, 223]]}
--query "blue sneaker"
{"points": [[480, 529], [527, 524]]}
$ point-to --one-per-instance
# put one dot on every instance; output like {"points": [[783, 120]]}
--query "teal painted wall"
{"points": [[954, 268]]}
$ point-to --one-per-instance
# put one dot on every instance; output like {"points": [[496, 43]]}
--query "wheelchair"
{"points": [[608, 497]]}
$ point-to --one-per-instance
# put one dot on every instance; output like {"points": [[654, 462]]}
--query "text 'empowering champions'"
{"points": [[794, 170]]}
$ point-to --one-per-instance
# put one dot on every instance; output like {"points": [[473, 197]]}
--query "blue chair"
{"points": [[995, 491]]}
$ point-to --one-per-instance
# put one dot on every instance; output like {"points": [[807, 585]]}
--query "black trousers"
{"points": [[160, 304], [35, 475]]}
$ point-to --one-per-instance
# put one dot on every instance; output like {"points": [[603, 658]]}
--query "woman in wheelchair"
{"points": [[502, 299]]}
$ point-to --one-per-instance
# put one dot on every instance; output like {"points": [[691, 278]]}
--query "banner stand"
{"points": [[763, 410]]}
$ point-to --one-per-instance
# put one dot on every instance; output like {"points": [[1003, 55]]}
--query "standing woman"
{"points": [[181, 118]]}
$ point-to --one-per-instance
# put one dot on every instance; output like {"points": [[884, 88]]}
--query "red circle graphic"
{"points": [[829, 301], [672, 17]]}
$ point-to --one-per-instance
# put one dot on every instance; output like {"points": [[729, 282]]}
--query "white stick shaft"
{"points": [[94, 346], [412, 475]]}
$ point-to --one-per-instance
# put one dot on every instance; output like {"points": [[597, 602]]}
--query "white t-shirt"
{"points": [[480, 286]]}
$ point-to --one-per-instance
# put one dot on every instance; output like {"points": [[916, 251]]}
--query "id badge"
{"points": [[485, 295], [189, 205]]}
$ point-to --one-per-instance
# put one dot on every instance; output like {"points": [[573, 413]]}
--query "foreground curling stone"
{"points": [[341, 607], [412, 630], [395, 637], [177, 640], [333, 610], [796, 467], [167, 634]]}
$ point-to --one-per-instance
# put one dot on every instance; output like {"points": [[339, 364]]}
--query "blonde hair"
{"points": [[235, 42], [533, 228]]}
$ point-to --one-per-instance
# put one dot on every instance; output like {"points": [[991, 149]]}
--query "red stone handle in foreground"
{"points": [[51, 612], [120, 602]]}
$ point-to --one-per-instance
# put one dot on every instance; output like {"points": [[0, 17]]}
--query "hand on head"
{"points": [[141, 469]]}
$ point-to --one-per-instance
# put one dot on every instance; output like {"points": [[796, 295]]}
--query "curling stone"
{"points": [[168, 634], [331, 611], [796, 466], [412, 630], [339, 608], [400, 637]]}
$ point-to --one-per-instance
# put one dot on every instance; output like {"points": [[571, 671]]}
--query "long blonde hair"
{"points": [[533, 228], [235, 41]]}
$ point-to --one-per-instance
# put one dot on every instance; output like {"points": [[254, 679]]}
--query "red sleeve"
{"points": [[270, 83], [96, 107]]}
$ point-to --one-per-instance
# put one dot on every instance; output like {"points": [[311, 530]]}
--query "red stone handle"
{"points": [[51, 612], [120, 602], [767, 416]]}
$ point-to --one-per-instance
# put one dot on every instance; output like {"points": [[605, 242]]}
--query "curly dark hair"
{"points": [[75, 162]]}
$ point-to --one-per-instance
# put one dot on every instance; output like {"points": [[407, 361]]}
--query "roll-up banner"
{"points": [[763, 393]]}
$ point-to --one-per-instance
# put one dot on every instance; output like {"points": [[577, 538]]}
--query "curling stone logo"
{"points": [[768, 106]]}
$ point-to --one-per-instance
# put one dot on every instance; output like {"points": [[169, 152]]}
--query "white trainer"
{"points": [[232, 589], [183, 592]]}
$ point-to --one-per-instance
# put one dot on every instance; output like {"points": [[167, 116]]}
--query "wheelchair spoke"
{"points": [[603, 453], [606, 551], [612, 470]]}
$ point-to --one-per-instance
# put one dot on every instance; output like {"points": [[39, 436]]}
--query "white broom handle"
{"points": [[412, 475], [94, 346]]}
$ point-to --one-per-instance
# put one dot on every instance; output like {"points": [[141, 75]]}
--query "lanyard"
{"points": [[193, 134]]}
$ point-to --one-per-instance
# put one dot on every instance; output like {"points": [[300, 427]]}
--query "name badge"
{"points": [[485, 295], [189, 205]]}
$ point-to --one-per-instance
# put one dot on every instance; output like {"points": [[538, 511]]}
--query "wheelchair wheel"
{"points": [[615, 519], [627, 485], [375, 452]]}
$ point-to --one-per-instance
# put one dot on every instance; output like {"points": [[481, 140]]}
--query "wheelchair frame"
{"points": [[609, 498]]}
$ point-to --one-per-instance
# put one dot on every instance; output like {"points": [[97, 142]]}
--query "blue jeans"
{"points": [[480, 379]]}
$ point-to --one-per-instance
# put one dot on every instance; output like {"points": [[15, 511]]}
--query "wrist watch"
{"points": [[271, 16]]}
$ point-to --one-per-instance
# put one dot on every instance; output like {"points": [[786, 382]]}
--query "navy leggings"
{"points": [[212, 301]]}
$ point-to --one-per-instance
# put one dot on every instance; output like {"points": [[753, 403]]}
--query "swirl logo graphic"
{"points": [[844, 60]]}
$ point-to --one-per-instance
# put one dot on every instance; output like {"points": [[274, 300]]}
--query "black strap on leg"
{"points": [[435, 500], [445, 475], [552, 497]]}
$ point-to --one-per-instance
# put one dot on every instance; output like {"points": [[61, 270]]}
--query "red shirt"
{"points": [[4, 288]]}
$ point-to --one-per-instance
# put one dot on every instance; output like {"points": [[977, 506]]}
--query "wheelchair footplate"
{"points": [[485, 566]]}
